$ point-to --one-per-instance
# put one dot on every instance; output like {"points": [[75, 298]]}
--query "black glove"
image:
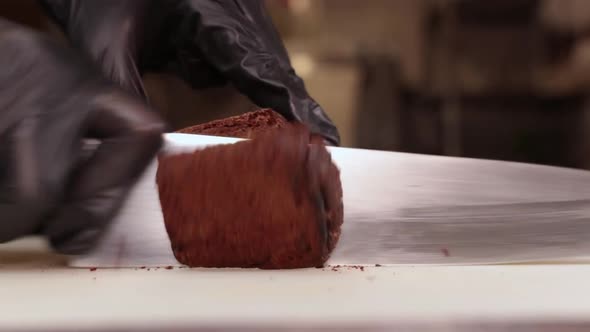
{"points": [[51, 101], [206, 42]]}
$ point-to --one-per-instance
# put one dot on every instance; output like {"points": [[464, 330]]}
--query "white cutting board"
{"points": [[38, 291]]}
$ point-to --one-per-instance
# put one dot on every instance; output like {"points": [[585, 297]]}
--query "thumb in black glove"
{"points": [[51, 101]]}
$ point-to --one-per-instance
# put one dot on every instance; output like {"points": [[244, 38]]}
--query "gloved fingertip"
{"points": [[77, 244]]}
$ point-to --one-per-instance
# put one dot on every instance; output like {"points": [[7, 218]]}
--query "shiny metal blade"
{"points": [[418, 209], [403, 209]]}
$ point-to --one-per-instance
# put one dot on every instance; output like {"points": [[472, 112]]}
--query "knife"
{"points": [[401, 208]]}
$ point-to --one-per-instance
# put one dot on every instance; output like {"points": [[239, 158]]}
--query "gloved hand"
{"points": [[205, 42], [51, 100]]}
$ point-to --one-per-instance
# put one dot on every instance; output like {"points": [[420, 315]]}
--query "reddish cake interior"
{"points": [[273, 202]]}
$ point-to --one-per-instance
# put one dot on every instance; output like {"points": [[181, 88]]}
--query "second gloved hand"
{"points": [[51, 101]]}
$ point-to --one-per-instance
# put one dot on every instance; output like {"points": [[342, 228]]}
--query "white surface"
{"points": [[80, 298], [403, 208]]}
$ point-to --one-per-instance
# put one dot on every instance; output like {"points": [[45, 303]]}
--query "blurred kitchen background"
{"points": [[501, 79]]}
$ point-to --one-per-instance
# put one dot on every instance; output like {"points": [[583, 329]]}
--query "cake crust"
{"points": [[248, 125]]}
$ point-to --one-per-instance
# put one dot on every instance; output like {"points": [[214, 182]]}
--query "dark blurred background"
{"points": [[501, 79]]}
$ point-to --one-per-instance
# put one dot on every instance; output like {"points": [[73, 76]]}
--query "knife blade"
{"points": [[402, 208]]}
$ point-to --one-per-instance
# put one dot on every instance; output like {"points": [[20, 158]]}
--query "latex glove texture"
{"points": [[52, 100], [205, 42]]}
